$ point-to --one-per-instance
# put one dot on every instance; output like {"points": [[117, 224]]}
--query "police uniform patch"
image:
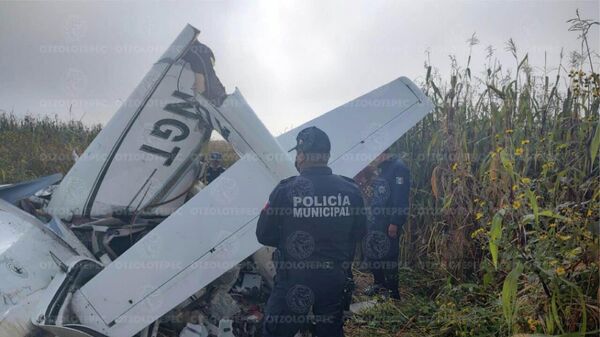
{"points": [[376, 245], [300, 187], [299, 299], [399, 180], [381, 191], [300, 245]]}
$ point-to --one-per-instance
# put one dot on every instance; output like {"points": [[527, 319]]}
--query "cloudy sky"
{"points": [[292, 60]]}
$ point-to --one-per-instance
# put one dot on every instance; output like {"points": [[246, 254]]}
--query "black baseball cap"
{"points": [[312, 140]]}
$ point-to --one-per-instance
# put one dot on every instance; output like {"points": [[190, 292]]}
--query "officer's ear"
{"points": [[300, 159]]}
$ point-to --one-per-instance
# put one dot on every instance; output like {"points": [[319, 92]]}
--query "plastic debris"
{"points": [[355, 308], [228, 279], [194, 330], [223, 306], [225, 328]]}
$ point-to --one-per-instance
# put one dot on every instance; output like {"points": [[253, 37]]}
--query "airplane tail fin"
{"points": [[146, 157]]}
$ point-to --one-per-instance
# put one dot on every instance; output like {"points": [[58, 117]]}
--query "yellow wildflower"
{"points": [[519, 151], [574, 252], [526, 181], [516, 204], [532, 324], [552, 225], [478, 216], [525, 142], [560, 271], [454, 166], [498, 149], [476, 233], [563, 237], [514, 187], [509, 131]]}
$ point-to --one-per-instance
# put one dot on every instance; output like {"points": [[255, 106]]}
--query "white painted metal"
{"points": [[68, 237], [15, 322], [240, 126], [44, 315], [216, 229], [195, 245], [26, 266], [121, 169], [363, 128]]}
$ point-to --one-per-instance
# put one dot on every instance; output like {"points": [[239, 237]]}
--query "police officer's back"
{"points": [[315, 221]]}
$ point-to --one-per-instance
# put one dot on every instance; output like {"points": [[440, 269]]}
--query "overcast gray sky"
{"points": [[292, 60]]}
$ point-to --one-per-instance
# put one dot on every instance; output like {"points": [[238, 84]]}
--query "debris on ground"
{"points": [[232, 305], [356, 308]]}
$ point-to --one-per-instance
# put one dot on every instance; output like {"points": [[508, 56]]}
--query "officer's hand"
{"points": [[393, 231]]}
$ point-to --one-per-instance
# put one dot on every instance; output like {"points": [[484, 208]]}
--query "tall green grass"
{"points": [[506, 194], [31, 147]]}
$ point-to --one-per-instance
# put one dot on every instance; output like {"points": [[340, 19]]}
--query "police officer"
{"points": [[206, 83], [214, 168], [388, 213], [315, 220]]}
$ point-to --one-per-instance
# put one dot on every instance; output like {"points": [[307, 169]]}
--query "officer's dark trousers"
{"points": [[385, 269], [296, 292]]}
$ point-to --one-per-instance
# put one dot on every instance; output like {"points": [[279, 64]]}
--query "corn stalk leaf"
{"points": [[448, 201], [595, 146], [554, 311], [434, 185], [534, 206], [550, 214], [497, 91], [507, 163], [436, 90], [495, 234], [509, 295]]}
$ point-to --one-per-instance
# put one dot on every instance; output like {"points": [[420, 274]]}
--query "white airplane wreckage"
{"points": [[120, 248]]}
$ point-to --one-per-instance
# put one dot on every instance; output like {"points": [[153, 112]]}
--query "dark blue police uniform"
{"points": [[389, 205], [315, 220], [201, 60]]}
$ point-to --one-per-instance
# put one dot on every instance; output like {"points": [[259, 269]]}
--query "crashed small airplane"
{"points": [[120, 246]]}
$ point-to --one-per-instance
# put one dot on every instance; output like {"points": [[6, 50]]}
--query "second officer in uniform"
{"points": [[315, 220], [389, 211]]}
